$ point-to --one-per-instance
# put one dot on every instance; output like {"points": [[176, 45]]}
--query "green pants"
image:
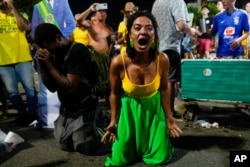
{"points": [[141, 133]]}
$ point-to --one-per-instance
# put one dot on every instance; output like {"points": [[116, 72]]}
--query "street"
{"points": [[197, 147]]}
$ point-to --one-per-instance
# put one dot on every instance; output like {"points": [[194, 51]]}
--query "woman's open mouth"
{"points": [[143, 42]]}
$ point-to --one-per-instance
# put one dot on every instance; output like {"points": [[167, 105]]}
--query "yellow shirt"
{"points": [[80, 35], [122, 29], [140, 91], [14, 47]]}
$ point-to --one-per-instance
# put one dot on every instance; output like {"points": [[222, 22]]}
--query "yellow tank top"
{"points": [[140, 91]]}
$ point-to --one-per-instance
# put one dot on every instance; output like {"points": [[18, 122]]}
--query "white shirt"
{"points": [[51, 2]]}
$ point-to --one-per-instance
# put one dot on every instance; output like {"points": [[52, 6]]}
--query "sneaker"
{"points": [[30, 118], [25, 120]]}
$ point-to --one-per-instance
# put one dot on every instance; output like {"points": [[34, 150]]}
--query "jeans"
{"points": [[3, 149], [23, 73], [44, 102]]}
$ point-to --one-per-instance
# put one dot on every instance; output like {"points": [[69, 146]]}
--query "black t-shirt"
{"points": [[78, 63], [209, 23]]}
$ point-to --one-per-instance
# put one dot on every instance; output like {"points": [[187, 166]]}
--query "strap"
{"points": [[158, 62], [123, 62], [66, 57], [46, 13]]}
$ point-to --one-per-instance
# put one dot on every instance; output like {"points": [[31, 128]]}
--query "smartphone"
{"points": [[101, 6]]}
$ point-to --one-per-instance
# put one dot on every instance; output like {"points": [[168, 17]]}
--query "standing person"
{"points": [[99, 31], [247, 7], [246, 42], [59, 13], [16, 62], [230, 25], [80, 34], [65, 68], [204, 38], [141, 120], [3, 99], [172, 17], [220, 8], [129, 9]]}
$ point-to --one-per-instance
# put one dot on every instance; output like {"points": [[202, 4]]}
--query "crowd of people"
{"points": [[143, 75], [210, 30]]}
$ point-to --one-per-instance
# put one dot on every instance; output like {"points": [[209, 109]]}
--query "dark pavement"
{"points": [[198, 147]]}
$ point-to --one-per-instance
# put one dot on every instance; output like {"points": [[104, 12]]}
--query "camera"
{"points": [[101, 6]]}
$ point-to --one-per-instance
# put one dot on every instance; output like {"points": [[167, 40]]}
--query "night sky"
{"points": [[114, 7]]}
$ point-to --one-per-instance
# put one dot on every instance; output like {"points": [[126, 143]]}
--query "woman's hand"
{"points": [[110, 134], [173, 129]]}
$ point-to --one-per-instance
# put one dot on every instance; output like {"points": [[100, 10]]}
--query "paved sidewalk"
{"points": [[197, 147]]}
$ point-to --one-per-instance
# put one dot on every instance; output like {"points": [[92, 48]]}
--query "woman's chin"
{"points": [[142, 48]]}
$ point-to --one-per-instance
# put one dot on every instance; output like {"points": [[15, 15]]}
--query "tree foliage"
{"points": [[197, 11]]}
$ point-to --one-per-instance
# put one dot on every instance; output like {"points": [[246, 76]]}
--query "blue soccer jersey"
{"points": [[230, 26]]}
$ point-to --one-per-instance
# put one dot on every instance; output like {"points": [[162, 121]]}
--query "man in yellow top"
{"points": [[80, 33], [129, 9], [16, 62]]}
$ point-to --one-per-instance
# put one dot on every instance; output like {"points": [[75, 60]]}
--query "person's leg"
{"points": [[244, 47], [161, 150], [208, 43], [3, 99], [86, 138], [9, 78], [42, 101], [200, 48], [63, 133], [189, 53], [25, 74], [174, 77]]}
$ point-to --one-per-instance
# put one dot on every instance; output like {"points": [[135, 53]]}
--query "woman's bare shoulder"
{"points": [[117, 61], [163, 57]]}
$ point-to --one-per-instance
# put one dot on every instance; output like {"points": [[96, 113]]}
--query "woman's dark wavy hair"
{"points": [[46, 32], [131, 51]]}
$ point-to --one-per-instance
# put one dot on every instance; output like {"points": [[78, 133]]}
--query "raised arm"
{"points": [[23, 24], [84, 14]]}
